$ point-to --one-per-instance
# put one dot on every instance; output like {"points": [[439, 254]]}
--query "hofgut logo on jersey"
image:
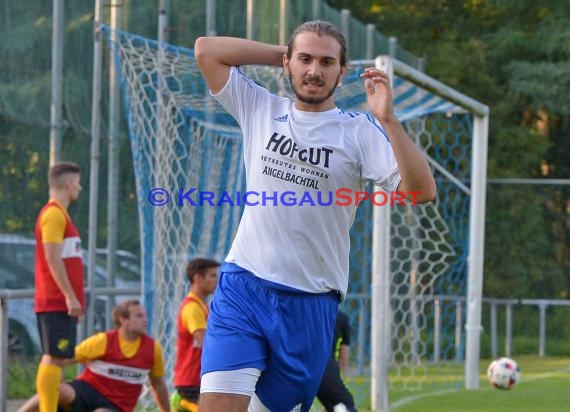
{"points": [[285, 146]]}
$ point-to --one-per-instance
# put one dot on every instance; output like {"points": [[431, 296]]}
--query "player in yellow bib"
{"points": [[117, 364], [59, 295], [203, 276]]}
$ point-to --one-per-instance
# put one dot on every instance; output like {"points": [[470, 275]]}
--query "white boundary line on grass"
{"points": [[410, 399], [544, 375]]}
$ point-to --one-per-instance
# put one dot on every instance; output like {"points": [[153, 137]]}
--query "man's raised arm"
{"points": [[215, 56], [414, 169]]}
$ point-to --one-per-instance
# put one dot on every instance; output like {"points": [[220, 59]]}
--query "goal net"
{"points": [[184, 143]]}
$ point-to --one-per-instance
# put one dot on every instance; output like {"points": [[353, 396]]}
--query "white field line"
{"points": [[533, 377], [410, 399]]}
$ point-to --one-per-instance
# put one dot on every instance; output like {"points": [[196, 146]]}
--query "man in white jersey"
{"points": [[271, 322]]}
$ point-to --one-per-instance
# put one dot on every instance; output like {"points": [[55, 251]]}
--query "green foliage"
{"points": [[546, 84], [513, 56], [25, 94], [20, 373], [22, 376]]}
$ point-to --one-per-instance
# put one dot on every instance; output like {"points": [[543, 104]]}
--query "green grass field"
{"points": [[544, 387]]}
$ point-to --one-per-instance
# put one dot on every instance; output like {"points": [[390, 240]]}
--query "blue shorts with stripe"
{"points": [[284, 332]]}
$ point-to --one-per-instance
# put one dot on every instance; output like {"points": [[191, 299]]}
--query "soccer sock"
{"points": [[189, 406], [47, 385]]}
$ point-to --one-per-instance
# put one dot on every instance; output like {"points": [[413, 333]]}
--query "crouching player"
{"points": [[117, 364]]}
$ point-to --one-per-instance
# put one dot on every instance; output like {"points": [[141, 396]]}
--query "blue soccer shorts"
{"points": [[285, 333]]}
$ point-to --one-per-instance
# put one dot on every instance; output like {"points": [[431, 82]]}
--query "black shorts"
{"points": [[88, 398], [58, 334], [190, 393], [333, 390]]}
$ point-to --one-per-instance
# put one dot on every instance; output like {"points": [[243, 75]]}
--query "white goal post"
{"points": [[381, 318]]}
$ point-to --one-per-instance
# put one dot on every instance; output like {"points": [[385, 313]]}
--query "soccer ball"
{"points": [[503, 373]]}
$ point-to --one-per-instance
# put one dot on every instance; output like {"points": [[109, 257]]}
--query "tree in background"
{"points": [[515, 57], [25, 91]]}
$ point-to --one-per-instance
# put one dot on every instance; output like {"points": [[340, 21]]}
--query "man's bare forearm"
{"points": [[233, 51], [414, 169], [59, 275], [417, 180], [160, 394]]}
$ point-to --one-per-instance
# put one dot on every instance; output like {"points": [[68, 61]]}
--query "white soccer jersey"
{"points": [[296, 230]]}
